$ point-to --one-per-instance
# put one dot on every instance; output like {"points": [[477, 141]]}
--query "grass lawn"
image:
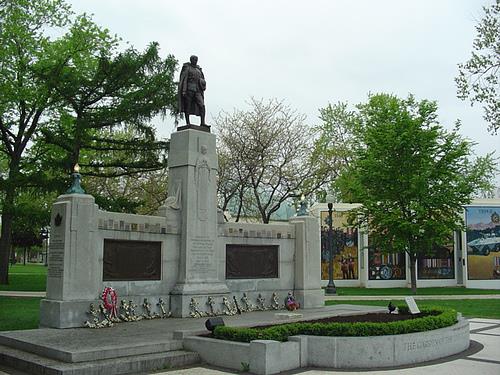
{"points": [[406, 291], [470, 308], [19, 313], [31, 277], [30, 268]]}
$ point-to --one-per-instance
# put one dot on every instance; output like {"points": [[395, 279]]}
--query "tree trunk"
{"points": [[266, 218], [413, 273], [12, 256], [5, 240], [7, 219]]}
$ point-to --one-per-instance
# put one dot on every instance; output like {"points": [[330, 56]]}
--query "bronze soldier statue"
{"points": [[191, 90]]}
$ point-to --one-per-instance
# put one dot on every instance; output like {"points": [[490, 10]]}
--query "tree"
{"points": [[337, 143], [25, 98], [79, 94], [140, 193], [411, 176], [479, 78], [108, 99], [266, 154], [32, 214]]}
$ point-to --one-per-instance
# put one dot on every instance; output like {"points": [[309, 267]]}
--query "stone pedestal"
{"points": [[193, 176], [73, 277], [307, 283]]}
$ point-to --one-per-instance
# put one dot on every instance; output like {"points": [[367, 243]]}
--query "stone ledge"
{"points": [[335, 352]]}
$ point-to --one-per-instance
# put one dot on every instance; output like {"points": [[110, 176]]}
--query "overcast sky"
{"points": [[311, 53]]}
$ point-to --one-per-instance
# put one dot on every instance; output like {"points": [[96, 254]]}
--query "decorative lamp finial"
{"points": [[75, 186], [302, 211]]}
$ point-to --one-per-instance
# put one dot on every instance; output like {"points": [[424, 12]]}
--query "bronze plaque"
{"points": [[131, 260], [251, 261]]}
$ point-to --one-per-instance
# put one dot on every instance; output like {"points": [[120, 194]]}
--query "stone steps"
{"points": [[40, 365], [84, 353]]}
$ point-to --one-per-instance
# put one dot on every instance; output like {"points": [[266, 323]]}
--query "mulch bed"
{"points": [[371, 317]]}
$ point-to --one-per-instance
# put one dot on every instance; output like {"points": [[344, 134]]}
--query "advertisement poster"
{"points": [[345, 247], [439, 265], [386, 266], [483, 242]]}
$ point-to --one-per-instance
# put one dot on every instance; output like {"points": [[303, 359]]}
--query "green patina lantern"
{"points": [[75, 186]]}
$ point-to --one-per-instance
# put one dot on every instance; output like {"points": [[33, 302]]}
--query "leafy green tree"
{"points": [[140, 193], [411, 176], [108, 99], [32, 214], [479, 78], [26, 100], [336, 144], [78, 94]]}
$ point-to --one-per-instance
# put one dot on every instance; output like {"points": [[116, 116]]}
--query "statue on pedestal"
{"points": [[192, 85]]}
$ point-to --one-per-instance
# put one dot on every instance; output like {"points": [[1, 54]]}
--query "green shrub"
{"points": [[432, 318]]}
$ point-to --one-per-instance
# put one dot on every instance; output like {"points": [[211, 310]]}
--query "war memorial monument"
{"points": [[145, 279]]}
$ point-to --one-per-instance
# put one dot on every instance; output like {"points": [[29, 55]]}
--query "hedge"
{"points": [[433, 318]]}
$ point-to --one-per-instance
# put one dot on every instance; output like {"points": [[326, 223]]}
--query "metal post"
{"points": [[46, 251], [44, 232], [330, 288]]}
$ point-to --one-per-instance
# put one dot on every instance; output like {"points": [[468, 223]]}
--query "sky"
{"points": [[311, 53]]}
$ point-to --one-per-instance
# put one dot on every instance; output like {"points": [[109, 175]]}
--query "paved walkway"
{"points": [[13, 293], [381, 298]]}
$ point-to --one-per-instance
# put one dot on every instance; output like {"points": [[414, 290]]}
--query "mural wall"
{"points": [[386, 266], [345, 247], [483, 242], [439, 265]]}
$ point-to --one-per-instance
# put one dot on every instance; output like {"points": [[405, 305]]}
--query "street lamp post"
{"points": [[45, 236], [330, 288]]}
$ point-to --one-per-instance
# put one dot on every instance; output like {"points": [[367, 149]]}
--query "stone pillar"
{"points": [[307, 281], [193, 167], [73, 277]]}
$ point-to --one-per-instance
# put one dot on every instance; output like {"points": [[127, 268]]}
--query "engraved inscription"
{"points": [[418, 345], [202, 258], [56, 259]]}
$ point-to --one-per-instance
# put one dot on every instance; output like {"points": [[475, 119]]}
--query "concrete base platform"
{"points": [[35, 364], [140, 346]]}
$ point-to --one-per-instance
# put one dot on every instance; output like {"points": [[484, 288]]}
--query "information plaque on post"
{"points": [[412, 305]]}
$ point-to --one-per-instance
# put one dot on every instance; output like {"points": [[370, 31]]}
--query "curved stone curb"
{"points": [[271, 357], [386, 351]]}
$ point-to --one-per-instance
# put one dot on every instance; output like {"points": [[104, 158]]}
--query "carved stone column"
{"points": [[193, 166]]}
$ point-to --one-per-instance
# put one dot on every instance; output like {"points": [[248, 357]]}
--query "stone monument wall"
{"points": [[186, 253]]}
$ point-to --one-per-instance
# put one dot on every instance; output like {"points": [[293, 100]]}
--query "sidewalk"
{"points": [[13, 293], [432, 296]]}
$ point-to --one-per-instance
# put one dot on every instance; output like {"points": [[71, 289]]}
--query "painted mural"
{"points": [[345, 247], [483, 242], [386, 266], [439, 265]]}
